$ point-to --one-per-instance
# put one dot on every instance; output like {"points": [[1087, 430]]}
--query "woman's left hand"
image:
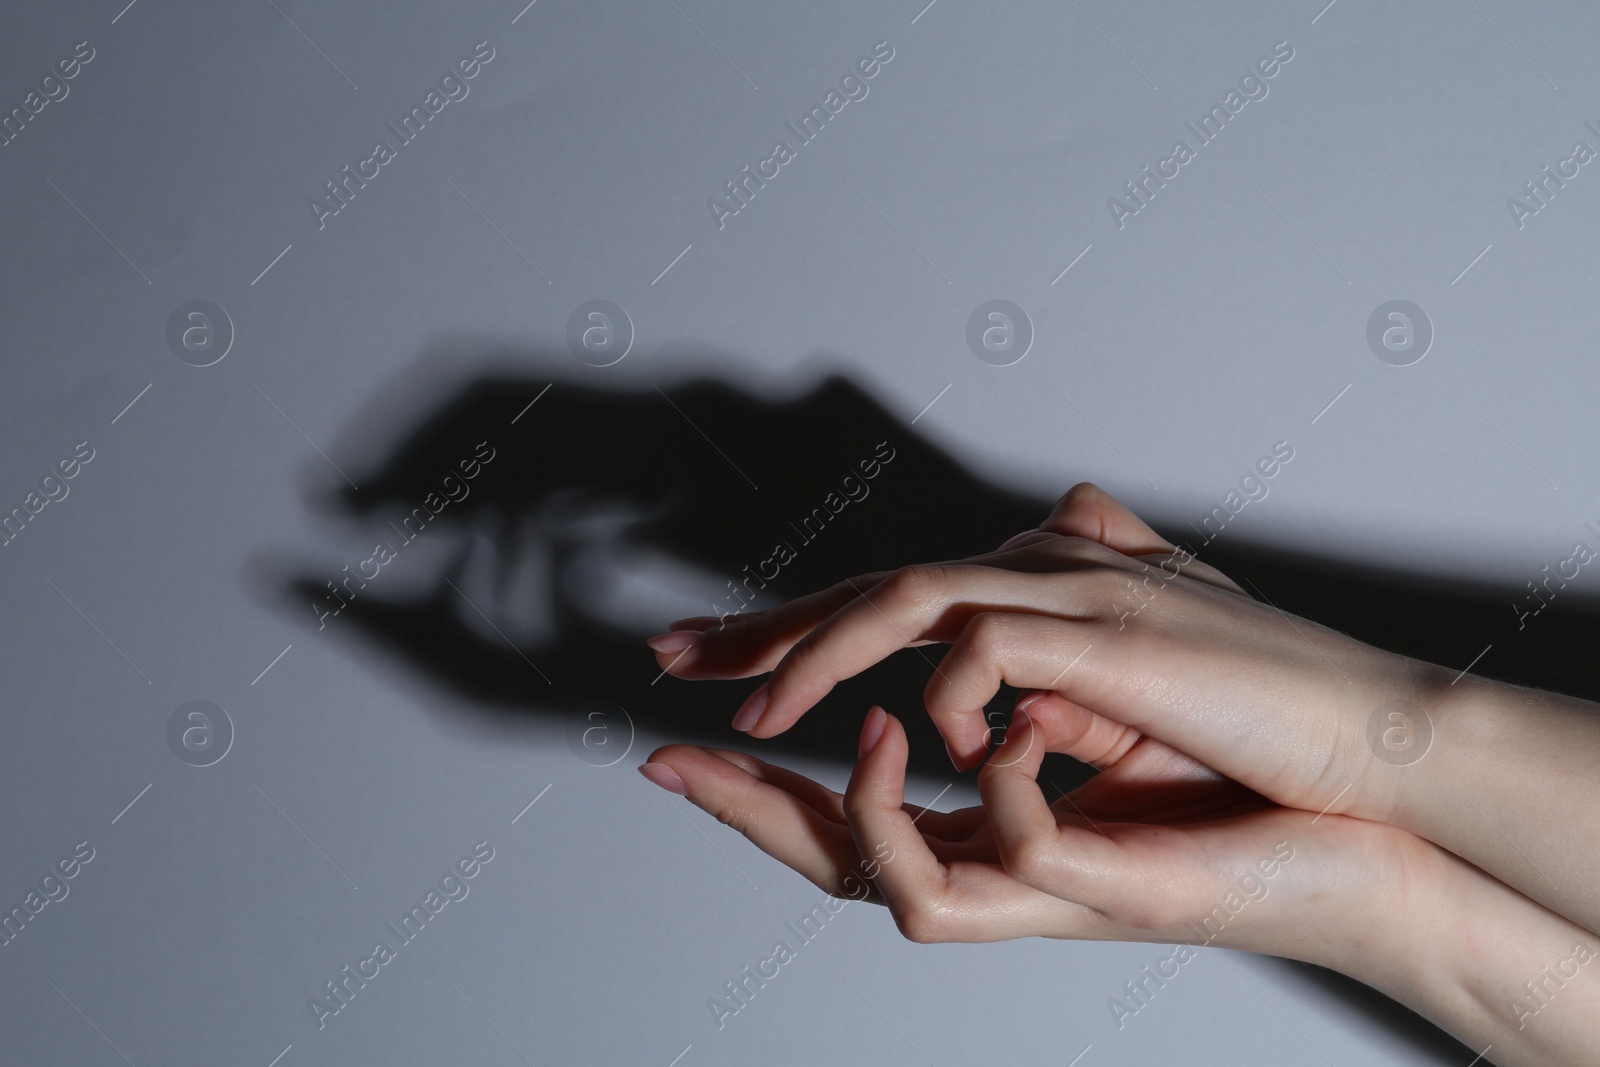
{"points": [[1156, 848]]}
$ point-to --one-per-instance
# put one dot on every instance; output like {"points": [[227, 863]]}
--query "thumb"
{"points": [[1088, 511]]}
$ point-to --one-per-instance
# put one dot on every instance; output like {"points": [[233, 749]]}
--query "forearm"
{"points": [[1492, 967], [1512, 784], [1421, 925]]}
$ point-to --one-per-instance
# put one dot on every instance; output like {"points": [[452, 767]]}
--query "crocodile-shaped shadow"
{"points": [[573, 485]]}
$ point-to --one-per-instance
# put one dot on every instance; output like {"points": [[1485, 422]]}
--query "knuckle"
{"points": [[911, 585], [1065, 548], [857, 806], [919, 923], [985, 634], [859, 584], [1083, 491], [1081, 549], [800, 657], [1030, 860], [734, 816]]}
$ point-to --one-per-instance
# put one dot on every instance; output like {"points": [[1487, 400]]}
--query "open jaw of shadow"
{"points": [[564, 523], [549, 525]]}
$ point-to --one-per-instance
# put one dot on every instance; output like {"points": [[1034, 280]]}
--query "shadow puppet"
{"points": [[753, 500], [532, 470]]}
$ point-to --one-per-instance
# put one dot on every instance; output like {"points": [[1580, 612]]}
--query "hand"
{"points": [[1175, 653], [1149, 668], [1144, 641], [1213, 865], [1217, 866]]}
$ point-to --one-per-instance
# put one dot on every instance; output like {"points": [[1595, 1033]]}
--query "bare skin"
{"points": [[1232, 740]]}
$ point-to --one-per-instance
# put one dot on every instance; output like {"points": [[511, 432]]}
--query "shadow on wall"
{"points": [[566, 522], [566, 532]]}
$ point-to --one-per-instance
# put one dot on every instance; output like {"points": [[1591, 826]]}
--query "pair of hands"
{"points": [[1249, 792], [1237, 796]]}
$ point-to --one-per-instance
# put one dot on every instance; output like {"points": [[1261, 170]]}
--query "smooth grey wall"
{"points": [[1227, 314]]}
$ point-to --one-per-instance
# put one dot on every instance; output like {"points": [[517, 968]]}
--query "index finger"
{"points": [[913, 605], [745, 644]]}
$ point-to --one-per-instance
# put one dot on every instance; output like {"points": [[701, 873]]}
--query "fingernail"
{"points": [[674, 640], [665, 777], [695, 622], [750, 711], [1031, 699], [1019, 720], [1013, 540], [872, 730]]}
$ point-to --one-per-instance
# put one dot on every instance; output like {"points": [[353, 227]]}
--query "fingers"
{"points": [[812, 643], [818, 797], [1029, 652], [795, 820], [738, 646], [1074, 730], [749, 643], [931, 901], [1050, 630], [1009, 786], [947, 826], [1066, 860], [775, 820], [911, 606], [1090, 512], [884, 834], [698, 622], [1141, 780]]}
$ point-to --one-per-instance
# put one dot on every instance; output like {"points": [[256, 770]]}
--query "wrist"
{"points": [[1378, 889], [1458, 726], [1406, 728], [1463, 949]]}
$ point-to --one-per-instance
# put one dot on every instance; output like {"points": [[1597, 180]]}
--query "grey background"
{"points": [[1225, 316]]}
